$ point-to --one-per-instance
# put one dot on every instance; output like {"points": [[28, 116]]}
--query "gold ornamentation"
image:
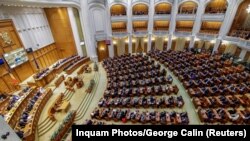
{"points": [[6, 38]]}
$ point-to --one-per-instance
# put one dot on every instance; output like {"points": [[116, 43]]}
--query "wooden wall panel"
{"points": [[102, 50], [115, 50], [133, 47], [126, 48], [45, 57], [21, 72], [62, 32]]}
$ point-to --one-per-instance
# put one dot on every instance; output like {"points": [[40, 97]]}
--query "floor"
{"points": [[84, 103]]}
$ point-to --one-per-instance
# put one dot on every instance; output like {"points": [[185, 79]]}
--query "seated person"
{"points": [[233, 115]]}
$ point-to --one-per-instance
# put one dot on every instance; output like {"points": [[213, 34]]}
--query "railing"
{"points": [[119, 18], [213, 17], [140, 17], [183, 33], [140, 33], [240, 42], [206, 36], [185, 16], [161, 32], [77, 1], [162, 17], [120, 34]]}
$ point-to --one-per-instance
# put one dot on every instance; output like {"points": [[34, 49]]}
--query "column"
{"points": [[75, 31], [228, 20], [111, 47], [130, 43], [129, 15], [192, 42], [88, 35], [149, 42], [109, 31], [169, 42], [172, 25], [243, 53], [216, 45], [198, 21]]}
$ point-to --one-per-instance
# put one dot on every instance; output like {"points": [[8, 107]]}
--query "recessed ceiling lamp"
{"points": [[248, 9]]}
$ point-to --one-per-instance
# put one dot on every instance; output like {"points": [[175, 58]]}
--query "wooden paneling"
{"points": [[166, 7], [102, 50], [221, 49], [237, 52], [115, 50], [62, 32], [118, 9], [145, 48], [133, 47], [126, 48], [19, 73], [140, 7], [173, 44], [44, 57]]}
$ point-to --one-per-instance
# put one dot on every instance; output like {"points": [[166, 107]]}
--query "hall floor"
{"points": [[84, 103]]}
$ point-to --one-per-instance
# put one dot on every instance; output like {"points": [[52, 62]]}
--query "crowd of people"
{"points": [[136, 116], [241, 33], [150, 101], [212, 82], [138, 81], [134, 75]]}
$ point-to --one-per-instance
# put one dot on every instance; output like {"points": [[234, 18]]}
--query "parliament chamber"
{"points": [[122, 62]]}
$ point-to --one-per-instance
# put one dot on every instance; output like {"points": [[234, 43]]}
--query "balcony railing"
{"points": [[161, 32], [206, 36], [239, 41], [118, 18], [140, 33], [140, 17], [120, 34], [190, 17], [183, 33], [162, 17], [213, 17]]}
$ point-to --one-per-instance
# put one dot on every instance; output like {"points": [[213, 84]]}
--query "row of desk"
{"points": [[76, 65], [13, 115], [51, 73], [34, 115]]}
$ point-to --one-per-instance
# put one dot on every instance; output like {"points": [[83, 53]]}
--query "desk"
{"points": [[30, 128], [12, 116], [72, 68], [60, 68], [64, 106], [51, 73]]}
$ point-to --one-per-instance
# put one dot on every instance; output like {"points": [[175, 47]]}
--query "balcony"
{"points": [[183, 33], [213, 17], [239, 41], [206, 36], [185, 17], [140, 33], [162, 17], [161, 32], [120, 34], [119, 18], [140, 17]]}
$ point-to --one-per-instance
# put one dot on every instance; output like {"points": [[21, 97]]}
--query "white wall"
{"points": [[31, 24]]}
